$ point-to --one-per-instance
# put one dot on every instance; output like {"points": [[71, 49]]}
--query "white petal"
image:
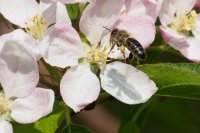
{"points": [[55, 12], [48, 10], [61, 14], [18, 67], [173, 38], [172, 8], [33, 107], [5, 126], [192, 52], [19, 11], [99, 14], [116, 54], [143, 7], [79, 87], [65, 47], [126, 83]]}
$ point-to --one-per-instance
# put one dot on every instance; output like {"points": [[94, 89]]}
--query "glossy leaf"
{"points": [[175, 80]]}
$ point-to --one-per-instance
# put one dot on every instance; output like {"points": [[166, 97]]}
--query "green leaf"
{"points": [[129, 122], [175, 80], [72, 11], [74, 128], [47, 124], [134, 120], [174, 116], [24, 128], [50, 123]]}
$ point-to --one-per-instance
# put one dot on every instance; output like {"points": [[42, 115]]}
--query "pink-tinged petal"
{"points": [[126, 83], [197, 5], [18, 66], [188, 46], [143, 7], [174, 39], [79, 87], [5, 126], [192, 52], [172, 8], [99, 14], [19, 11], [33, 107], [65, 46], [141, 28]]}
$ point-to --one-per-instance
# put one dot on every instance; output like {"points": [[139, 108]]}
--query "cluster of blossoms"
{"points": [[45, 32]]}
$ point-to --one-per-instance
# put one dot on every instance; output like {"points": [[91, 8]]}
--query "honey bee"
{"points": [[122, 39]]}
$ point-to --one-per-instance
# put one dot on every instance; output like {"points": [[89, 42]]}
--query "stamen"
{"points": [[98, 57], [186, 23], [36, 27], [4, 107]]}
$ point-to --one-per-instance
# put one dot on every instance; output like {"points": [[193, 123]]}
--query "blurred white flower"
{"points": [[181, 27]]}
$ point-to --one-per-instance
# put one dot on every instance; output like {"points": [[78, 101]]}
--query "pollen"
{"points": [[98, 57], [4, 106], [185, 23], [36, 26]]}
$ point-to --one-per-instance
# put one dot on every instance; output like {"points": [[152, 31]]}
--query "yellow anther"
{"points": [[98, 57], [185, 23], [36, 26], [4, 107]]}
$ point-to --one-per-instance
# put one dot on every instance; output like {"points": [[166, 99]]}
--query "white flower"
{"points": [[79, 85], [20, 99], [37, 20], [181, 27]]}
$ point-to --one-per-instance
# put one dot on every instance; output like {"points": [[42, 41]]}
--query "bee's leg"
{"points": [[112, 46], [124, 58], [130, 58]]}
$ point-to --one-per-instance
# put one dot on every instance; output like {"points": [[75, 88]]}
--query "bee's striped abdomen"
{"points": [[135, 48]]}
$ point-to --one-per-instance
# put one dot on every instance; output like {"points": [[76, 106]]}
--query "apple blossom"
{"points": [[20, 99], [79, 85], [36, 19], [181, 27]]}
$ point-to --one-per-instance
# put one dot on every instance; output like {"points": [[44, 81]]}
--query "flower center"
{"points": [[98, 57], [185, 23], [36, 26], [4, 106]]}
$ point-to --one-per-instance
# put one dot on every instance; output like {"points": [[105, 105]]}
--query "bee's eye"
{"points": [[114, 32]]}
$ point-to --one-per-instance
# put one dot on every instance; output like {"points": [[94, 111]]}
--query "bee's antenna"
{"points": [[107, 28]]}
